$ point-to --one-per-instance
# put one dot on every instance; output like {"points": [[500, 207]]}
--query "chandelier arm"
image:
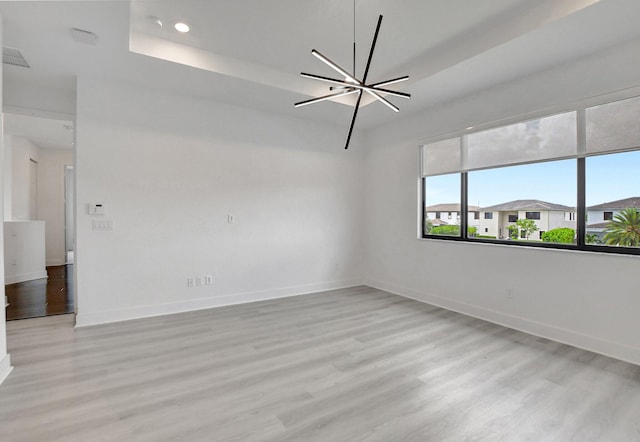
{"points": [[373, 46], [335, 66], [386, 91], [326, 97], [388, 82], [357, 86], [353, 119], [384, 101]]}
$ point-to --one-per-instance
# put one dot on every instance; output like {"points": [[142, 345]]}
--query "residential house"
{"points": [[449, 214], [599, 215], [495, 220]]}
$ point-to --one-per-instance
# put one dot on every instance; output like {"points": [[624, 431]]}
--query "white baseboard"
{"points": [[12, 279], [104, 317], [5, 368], [591, 343]]}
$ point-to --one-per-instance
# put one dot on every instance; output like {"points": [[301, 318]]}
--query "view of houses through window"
{"points": [[537, 202]]}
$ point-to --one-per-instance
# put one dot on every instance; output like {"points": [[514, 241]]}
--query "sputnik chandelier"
{"points": [[351, 84]]}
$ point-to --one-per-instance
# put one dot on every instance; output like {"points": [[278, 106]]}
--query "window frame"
{"points": [[580, 212]]}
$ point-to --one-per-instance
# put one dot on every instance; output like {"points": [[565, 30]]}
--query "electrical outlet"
{"points": [[230, 219], [208, 280], [198, 281], [189, 282]]}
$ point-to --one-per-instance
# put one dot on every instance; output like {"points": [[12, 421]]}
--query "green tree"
{"points": [[446, 230], [624, 229], [591, 238], [563, 235], [428, 225], [526, 227], [514, 232], [453, 230]]}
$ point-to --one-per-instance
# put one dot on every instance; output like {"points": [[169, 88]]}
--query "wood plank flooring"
{"points": [[42, 297], [346, 365]]}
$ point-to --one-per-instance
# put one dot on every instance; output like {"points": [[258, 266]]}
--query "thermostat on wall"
{"points": [[96, 209]]}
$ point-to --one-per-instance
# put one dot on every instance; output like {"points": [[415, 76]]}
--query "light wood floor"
{"points": [[347, 365]]}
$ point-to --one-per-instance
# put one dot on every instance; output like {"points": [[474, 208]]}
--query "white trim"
{"points": [[12, 279], [591, 343], [103, 317], [5, 368]]}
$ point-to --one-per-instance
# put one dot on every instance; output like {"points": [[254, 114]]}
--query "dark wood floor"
{"points": [[42, 297]]}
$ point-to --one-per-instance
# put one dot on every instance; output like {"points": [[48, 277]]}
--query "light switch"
{"points": [[102, 224]]}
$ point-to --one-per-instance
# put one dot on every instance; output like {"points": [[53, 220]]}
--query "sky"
{"points": [[608, 178]]}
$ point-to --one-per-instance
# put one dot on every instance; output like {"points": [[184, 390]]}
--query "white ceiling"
{"points": [[46, 133], [250, 52]]}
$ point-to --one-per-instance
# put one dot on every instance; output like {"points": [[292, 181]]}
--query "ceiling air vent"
{"points": [[13, 57]]}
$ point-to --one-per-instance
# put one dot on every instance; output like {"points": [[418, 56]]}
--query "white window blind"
{"points": [[547, 138], [442, 157], [613, 126], [530, 141]]}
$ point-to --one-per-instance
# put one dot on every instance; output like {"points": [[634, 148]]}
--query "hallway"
{"points": [[42, 297]]}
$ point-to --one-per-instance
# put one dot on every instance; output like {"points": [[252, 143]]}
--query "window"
{"points": [[612, 193], [449, 215], [440, 193], [563, 181], [532, 215]]}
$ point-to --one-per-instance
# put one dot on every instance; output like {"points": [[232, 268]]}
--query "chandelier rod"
{"points": [[364, 81]]}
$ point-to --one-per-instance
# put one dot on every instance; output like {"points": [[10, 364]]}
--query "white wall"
{"points": [[7, 178], [170, 169], [51, 200], [22, 152], [24, 251], [586, 299], [5, 359]]}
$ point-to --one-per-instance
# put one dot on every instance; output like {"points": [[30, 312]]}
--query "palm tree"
{"points": [[624, 229], [591, 238]]}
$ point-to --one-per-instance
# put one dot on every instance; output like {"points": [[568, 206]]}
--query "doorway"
{"points": [[39, 215]]}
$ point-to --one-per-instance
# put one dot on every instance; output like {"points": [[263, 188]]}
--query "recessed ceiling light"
{"points": [[469, 128], [181, 27]]}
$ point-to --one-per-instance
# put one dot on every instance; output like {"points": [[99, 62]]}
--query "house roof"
{"points": [[598, 225], [449, 207], [618, 204], [527, 205]]}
